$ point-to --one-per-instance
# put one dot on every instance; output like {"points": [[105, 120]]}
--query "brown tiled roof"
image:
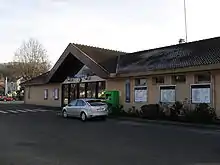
{"points": [[203, 52], [98, 54], [105, 58], [41, 79]]}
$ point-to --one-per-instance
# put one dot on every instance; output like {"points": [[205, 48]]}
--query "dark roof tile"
{"points": [[196, 53]]}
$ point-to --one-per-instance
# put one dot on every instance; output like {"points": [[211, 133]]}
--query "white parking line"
{"points": [[42, 110], [12, 111], [3, 112], [21, 110], [30, 110]]}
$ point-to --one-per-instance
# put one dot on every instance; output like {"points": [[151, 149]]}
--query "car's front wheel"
{"points": [[64, 114], [83, 116]]}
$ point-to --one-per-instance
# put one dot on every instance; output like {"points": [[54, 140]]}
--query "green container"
{"points": [[112, 97]]}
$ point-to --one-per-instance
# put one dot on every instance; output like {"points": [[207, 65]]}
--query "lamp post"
{"points": [[185, 21]]}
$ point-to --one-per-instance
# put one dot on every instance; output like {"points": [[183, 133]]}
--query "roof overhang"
{"points": [[167, 71], [83, 58]]}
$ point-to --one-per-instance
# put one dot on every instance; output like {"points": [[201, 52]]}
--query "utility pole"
{"points": [[185, 21], [6, 85]]}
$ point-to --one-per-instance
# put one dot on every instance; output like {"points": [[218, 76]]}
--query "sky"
{"points": [[125, 25]]}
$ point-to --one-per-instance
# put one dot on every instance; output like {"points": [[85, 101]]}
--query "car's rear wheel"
{"points": [[83, 116], [64, 113]]}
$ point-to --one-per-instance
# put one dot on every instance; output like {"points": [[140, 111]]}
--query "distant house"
{"points": [[167, 74]]}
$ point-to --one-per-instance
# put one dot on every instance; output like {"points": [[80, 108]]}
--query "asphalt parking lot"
{"points": [[44, 138]]}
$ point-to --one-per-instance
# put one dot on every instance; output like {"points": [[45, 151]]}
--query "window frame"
{"points": [[196, 76], [140, 81], [143, 87], [155, 78], [167, 86], [202, 84]]}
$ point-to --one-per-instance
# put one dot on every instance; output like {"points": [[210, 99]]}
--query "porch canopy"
{"points": [[100, 61]]}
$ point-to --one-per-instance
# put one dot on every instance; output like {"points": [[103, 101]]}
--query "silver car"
{"points": [[86, 109]]}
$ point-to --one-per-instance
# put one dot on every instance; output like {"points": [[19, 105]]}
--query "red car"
{"points": [[5, 98]]}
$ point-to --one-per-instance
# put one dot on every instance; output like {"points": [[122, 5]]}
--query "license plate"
{"points": [[101, 109]]}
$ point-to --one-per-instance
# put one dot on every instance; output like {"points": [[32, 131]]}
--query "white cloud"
{"points": [[123, 24]]}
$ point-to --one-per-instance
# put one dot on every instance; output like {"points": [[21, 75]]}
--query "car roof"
{"points": [[89, 99]]}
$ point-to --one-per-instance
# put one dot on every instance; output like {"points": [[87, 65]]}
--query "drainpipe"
{"points": [[117, 66]]}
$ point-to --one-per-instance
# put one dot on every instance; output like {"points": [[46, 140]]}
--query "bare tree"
{"points": [[31, 60]]}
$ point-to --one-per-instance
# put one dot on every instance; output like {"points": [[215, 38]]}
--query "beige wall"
{"points": [[182, 89], [37, 95]]}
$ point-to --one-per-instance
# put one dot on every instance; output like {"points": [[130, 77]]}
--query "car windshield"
{"points": [[96, 102]]}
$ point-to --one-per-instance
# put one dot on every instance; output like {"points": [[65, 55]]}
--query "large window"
{"points": [[201, 93], [167, 94], [101, 89], [73, 91], [140, 90], [91, 90], [82, 93]]}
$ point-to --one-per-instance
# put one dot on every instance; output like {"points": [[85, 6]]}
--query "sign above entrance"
{"points": [[82, 79], [74, 80]]}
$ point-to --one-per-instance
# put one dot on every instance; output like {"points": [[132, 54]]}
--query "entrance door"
{"points": [[73, 92], [65, 94]]}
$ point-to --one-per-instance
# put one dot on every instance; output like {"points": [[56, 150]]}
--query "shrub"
{"points": [[151, 111], [115, 110], [202, 113], [175, 110]]}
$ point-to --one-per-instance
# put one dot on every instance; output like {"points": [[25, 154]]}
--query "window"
{"points": [[178, 79], [45, 94], [140, 90], [73, 91], [167, 94], [91, 90], [101, 89], [73, 103], [56, 94], [140, 82], [65, 93], [158, 80], [82, 90], [127, 91], [203, 77], [80, 103], [96, 103], [201, 93]]}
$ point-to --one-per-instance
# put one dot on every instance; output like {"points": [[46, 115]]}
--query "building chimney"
{"points": [[181, 41]]}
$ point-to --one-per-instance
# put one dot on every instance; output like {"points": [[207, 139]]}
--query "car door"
{"points": [[71, 108], [80, 106]]}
